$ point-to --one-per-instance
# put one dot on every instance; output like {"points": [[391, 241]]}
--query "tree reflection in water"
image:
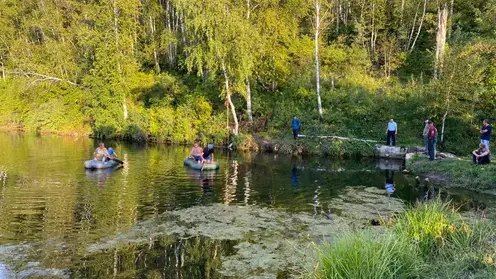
{"points": [[166, 257]]}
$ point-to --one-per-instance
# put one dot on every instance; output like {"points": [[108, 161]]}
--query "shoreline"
{"points": [[455, 173]]}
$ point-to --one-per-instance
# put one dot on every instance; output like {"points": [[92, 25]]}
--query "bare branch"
{"points": [[42, 77]]}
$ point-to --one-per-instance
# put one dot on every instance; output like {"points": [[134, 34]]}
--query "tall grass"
{"points": [[428, 225], [430, 240], [363, 255]]}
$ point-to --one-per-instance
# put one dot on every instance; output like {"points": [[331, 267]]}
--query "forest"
{"points": [[219, 70]]}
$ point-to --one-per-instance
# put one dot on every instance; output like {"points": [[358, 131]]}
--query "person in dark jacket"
{"points": [[480, 156], [431, 136], [486, 133]]}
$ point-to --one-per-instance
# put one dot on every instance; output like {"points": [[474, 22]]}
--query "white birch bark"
{"points": [[410, 38], [228, 97], [420, 26], [317, 67], [448, 95], [441, 39], [248, 85]]}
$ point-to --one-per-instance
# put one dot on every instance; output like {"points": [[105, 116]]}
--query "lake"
{"points": [[155, 218]]}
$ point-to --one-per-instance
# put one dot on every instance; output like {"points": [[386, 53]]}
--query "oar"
{"points": [[117, 160]]}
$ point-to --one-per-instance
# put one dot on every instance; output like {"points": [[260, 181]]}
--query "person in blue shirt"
{"points": [[111, 153], [296, 127], [392, 131], [486, 134]]}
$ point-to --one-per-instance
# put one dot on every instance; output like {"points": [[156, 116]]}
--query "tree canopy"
{"points": [[167, 69]]}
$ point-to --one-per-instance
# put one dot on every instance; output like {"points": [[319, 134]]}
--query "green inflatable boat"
{"points": [[194, 165]]}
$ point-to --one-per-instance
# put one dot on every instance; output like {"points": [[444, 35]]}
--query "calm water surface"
{"points": [[51, 208]]}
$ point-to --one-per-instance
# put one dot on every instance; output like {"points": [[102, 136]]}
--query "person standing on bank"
{"points": [[431, 135], [392, 131], [424, 133], [296, 124], [486, 134]]}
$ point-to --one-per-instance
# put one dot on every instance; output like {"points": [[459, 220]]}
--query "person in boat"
{"points": [[101, 153], [208, 153], [481, 155], [196, 153], [112, 154]]}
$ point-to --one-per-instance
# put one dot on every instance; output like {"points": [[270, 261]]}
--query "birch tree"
{"points": [[442, 22], [320, 23], [216, 26]]}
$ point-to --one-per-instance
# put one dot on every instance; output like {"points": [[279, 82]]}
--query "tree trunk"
{"points": [[248, 86], [317, 67], [420, 26], [228, 98], [441, 39], [124, 108], [402, 11], [372, 41], [451, 18], [3, 71], [116, 34], [117, 54], [447, 105], [155, 55], [413, 28], [248, 101]]}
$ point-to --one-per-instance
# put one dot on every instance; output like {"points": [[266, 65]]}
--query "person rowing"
{"points": [[103, 154], [208, 154], [196, 153]]}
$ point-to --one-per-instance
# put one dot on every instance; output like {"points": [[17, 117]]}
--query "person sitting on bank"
{"points": [[481, 156], [208, 153], [196, 153], [101, 153]]}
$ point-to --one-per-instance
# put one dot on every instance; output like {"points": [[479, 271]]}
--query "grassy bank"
{"points": [[428, 241], [304, 146], [458, 172]]}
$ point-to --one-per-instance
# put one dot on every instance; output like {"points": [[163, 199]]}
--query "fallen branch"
{"points": [[41, 77], [337, 137]]}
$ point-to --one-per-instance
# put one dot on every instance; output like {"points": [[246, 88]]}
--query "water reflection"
{"points": [[101, 175], [294, 178], [165, 257], [231, 174], [389, 182], [426, 190]]}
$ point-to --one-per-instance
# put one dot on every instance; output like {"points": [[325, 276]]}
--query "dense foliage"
{"points": [[177, 70]]}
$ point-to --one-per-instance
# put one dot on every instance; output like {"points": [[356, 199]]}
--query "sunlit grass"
{"points": [[365, 255], [430, 240]]}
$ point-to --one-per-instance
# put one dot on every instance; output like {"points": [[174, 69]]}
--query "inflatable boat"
{"points": [[194, 165], [95, 164]]}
